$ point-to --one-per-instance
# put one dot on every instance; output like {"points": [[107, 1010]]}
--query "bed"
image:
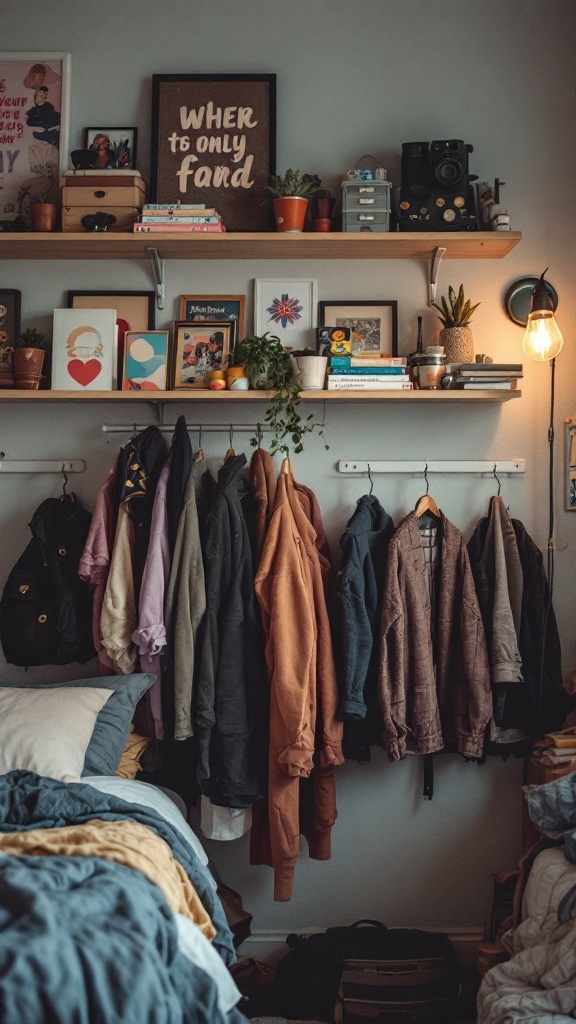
{"points": [[108, 910], [537, 985]]}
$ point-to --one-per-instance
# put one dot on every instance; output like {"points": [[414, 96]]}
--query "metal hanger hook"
{"points": [[496, 479], [426, 478], [259, 434], [231, 435], [199, 435], [65, 481], [371, 480]]}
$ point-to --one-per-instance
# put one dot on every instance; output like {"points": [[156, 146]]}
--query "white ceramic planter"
{"points": [[310, 371]]}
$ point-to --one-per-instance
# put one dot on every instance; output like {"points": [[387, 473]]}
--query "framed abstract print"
{"points": [[199, 347]]}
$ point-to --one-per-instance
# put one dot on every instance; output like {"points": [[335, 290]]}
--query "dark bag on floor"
{"points": [[414, 982], [307, 979]]}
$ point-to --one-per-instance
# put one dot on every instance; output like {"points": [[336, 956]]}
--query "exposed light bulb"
{"points": [[542, 338]]}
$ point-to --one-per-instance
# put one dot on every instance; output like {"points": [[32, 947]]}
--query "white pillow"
{"points": [[48, 731]]}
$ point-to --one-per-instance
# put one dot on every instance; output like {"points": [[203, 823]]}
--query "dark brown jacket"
{"points": [[434, 676]]}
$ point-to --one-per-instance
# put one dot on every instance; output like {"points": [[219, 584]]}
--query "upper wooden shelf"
{"points": [[193, 395], [231, 245]]}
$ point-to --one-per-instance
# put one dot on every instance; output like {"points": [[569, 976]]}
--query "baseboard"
{"points": [[271, 945]]}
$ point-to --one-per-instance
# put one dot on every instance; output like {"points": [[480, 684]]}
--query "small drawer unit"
{"points": [[121, 197], [366, 205]]}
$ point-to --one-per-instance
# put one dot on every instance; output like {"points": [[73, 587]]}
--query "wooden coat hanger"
{"points": [[426, 503], [230, 454]]}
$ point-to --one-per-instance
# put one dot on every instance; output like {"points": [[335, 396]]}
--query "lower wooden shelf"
{"points": [[201, 395]]}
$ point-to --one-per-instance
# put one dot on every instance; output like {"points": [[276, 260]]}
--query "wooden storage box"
{"points": [[102, 197], [126, 216]]}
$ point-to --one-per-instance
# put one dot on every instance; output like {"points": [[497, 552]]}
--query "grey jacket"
{"points": [[434, 676], [500, 560]]}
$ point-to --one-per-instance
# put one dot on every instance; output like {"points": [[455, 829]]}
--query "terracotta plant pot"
{"points": [[458, 343], [43, 216], [28, 364], [290, 213]]}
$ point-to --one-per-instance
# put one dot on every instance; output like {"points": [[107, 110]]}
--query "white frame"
{"points": [[570, 467], [16, 57], [301, 334], [66, 323]]}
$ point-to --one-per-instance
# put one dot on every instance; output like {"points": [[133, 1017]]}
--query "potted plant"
{"points": [[43, 211], [309, 368], [28, 359], [269, 367], [290, 194], [456, 336]]}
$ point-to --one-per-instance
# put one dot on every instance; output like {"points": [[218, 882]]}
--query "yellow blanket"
{"points": [[126, 842]]}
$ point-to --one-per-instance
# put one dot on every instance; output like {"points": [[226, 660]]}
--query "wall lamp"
{"points": [[531, 303]]}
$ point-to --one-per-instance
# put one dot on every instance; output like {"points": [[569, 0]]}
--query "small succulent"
{"points": [[457, 311], [31, 338], [292, 183]]}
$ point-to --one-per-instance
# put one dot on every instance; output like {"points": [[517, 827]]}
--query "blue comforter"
{"points": [[88, 940]]}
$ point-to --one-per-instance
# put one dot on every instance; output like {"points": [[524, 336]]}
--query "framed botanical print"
{"points": [[215, 307], [374, 324], [145, 363], [214, 142], [34, 119], [83, 349], [287, 307], [198, 348]]}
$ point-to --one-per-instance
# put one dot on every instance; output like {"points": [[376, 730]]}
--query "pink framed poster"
{"points": [[34, 119]]}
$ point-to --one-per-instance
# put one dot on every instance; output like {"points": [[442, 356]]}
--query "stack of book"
{"points": [[477, 376], [368, 373], [179, 217], [557, 748]]}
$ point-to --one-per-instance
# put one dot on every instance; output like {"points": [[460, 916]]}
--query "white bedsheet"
{"points": [[538, 985]]}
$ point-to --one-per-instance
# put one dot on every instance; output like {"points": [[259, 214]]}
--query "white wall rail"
{"points": [[498, 467]]}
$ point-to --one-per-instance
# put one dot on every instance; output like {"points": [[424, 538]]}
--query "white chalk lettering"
{"points": [[191, 119]]}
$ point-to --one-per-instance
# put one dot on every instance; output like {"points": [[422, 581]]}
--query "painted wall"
{"points": [[353, 79]]}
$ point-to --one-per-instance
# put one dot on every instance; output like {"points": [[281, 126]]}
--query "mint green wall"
{"points": [[353, 78]]}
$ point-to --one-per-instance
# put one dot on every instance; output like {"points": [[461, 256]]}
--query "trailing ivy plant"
{"points": [[268, 366]]}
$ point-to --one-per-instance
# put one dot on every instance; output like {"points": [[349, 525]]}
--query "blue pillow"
{"points": [[113, 722]]}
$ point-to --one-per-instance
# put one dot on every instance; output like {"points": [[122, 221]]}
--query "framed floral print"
{"points": [[286, 307]]}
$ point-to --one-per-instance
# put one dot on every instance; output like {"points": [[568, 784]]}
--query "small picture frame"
{"points": [[83, 350], [198, 348], [215, 307], [10, 299], [287, 307], [145, 364], [135, 311], [374, 324], [115, 148], [571, 464]]}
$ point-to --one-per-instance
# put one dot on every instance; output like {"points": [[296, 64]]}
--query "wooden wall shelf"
{"points": [[258, 245], [194, 396]]}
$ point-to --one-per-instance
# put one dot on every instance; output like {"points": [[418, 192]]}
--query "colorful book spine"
{"points": [[146, 219], [176, 206], [349, 361], [178, 228], [362, 371], [357, 384]]}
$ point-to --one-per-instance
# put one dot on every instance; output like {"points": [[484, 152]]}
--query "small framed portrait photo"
{"points": [[199, 347], [115, 148], [374, 325], [145, 361]]}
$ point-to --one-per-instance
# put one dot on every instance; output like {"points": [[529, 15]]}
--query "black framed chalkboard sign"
{"points": [[214, 142]]}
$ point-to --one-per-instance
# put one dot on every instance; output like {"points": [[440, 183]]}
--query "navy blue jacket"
{"points": [[364, 547]]}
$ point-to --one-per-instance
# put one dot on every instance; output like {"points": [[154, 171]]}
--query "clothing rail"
{"points": [[169, 428], [41, 465], [486, 467]]}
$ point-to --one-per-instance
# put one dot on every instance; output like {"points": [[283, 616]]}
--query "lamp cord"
{"points": [[550, 544]]}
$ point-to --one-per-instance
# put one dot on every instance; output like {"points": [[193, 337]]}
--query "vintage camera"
{"points": [[436, 192]]}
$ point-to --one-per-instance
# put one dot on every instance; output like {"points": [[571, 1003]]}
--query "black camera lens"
{"points": [[449, 172]]}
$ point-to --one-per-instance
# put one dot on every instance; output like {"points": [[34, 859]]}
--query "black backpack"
{"points": [[46, 609]]}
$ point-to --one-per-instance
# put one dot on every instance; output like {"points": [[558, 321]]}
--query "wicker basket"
{"points": [[458, 344]]}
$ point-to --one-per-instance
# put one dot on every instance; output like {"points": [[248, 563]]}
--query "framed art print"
{"points": [[214, 142], [286, 307], [199, 348], [145, 361], [35, 91], [135, 311], [215, 307], [10, 300], [374, 325], [571, 464], [114, 147], [83, 349]]}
